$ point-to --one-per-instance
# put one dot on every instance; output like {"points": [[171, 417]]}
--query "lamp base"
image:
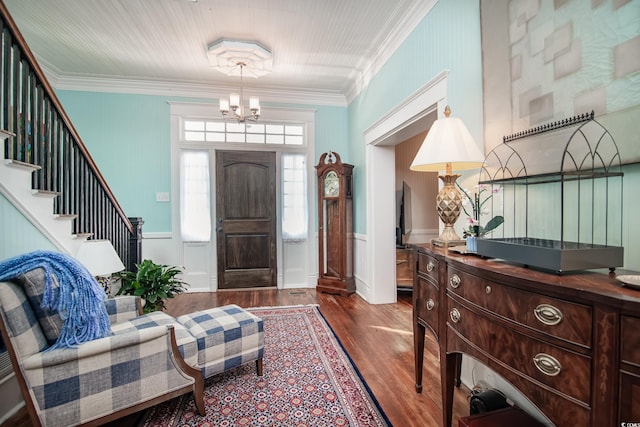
{"points": [[448, 238], [105, 283], [449, 205]]}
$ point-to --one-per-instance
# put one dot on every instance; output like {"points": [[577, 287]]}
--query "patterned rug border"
{"points": [[177, 404], [344, 350], [355, 368]]}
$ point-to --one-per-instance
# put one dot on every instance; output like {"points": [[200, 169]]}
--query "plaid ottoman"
{"points": [[227, 337]]}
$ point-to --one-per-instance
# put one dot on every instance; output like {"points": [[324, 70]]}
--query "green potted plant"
{"points": [[154, 283]]}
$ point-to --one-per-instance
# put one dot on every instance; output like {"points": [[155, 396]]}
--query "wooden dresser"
{"points": [[570, 343], [404, 268]]}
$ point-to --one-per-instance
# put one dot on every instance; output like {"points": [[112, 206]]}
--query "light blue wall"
{"points": [[18, 234], [128, 137], [332, 132], [630, 225], [447, 39]]}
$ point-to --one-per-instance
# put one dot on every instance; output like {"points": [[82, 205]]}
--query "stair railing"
{"points": [[44, 136]]}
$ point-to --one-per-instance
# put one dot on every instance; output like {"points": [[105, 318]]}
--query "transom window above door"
{"points": [[250, 133]]}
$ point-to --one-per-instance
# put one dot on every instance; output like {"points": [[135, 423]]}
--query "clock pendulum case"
{"points": [[335, 225]]}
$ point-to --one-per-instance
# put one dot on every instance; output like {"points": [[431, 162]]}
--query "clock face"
{"points": [[331, 184]]}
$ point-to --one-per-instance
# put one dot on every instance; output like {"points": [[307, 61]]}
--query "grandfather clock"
{"points": [[335, 224]]}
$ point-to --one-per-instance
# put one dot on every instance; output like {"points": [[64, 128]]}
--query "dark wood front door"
{"points": [[246, 219]]}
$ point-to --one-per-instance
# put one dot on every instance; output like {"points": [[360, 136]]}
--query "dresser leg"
{"points": [[418, 351], [449, 363]]}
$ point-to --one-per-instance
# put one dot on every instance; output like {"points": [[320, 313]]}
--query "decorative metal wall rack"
{"points": [[561, 197]]}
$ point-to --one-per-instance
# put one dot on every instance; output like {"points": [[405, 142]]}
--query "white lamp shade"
{"points": [[448, 141], [254, 103], [99, 257]]}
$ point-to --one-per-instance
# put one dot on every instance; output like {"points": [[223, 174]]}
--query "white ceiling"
{"points": [[323, 50]]}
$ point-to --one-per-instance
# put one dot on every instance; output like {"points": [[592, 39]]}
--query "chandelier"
{"points": [[232, 57], [235, 103]]}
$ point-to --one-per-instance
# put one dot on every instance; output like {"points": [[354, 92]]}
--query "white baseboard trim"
{"points": [[196, 290], [12, 412], [12, 400], [157, 235], [423, 235]]}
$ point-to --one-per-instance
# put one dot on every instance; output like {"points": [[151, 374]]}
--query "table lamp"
{"points": [[448, 146], [101, 260]]}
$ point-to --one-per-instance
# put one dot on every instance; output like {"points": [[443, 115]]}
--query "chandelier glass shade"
{"points": [[234, 105]]}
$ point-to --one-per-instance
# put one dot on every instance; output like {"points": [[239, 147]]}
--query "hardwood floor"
{"points": [[379, 339]]}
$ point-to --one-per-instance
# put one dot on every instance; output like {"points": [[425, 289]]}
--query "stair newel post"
{"points": [[135, 244]]}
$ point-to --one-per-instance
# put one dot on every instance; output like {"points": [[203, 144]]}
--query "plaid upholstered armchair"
{"points": [[142, 361]]}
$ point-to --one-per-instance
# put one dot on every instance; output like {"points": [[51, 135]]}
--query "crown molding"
{"points": [[185, 89], [410, 21], [195, 90]]}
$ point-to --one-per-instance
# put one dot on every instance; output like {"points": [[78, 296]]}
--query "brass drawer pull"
{"points": [[430, 304], [455, 281], [546, 364], [455, 315], [548, 314], [430, 266]]}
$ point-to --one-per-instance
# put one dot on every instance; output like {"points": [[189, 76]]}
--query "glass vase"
{"points": [[472, 244]]}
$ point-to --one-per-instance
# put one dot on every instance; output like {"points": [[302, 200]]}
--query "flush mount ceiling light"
{"points": [[235, 58]]}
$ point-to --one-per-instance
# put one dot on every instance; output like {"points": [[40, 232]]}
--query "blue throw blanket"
{"points": [[80, 300]]}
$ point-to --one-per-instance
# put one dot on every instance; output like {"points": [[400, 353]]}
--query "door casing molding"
{"points": [[406, 120]]}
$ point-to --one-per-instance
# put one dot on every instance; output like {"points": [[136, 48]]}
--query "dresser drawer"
{"points": [[630, 340], [629, 397], [565, 371], [425, 303], [562, 319], [428, 266]]}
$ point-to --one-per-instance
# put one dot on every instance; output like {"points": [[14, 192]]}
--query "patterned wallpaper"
{"points": [[572, 56]]}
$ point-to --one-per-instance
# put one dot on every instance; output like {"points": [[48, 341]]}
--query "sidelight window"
{"points": [[294, 197], [195, 213]]}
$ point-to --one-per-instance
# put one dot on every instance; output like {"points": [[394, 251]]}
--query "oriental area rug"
{"points": [[309, 380]]}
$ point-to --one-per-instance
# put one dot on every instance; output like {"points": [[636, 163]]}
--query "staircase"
{"points": [[37, 205], [47, 172]]}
